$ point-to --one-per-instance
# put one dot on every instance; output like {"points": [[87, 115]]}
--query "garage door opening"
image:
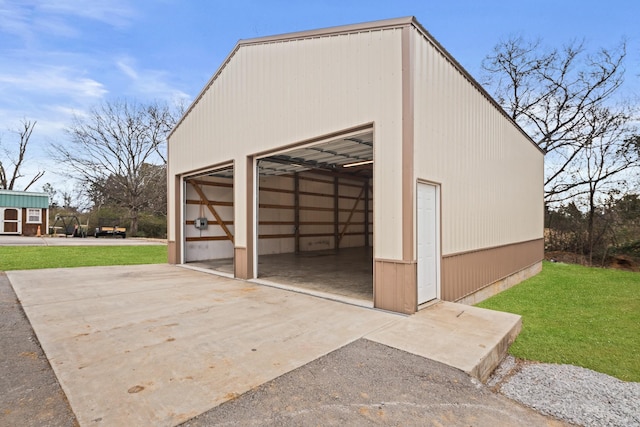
{"points": [[315, 218], [208, 220]]}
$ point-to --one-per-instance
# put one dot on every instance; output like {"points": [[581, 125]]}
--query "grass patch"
{"points": [[577, 315], [36, 257]]}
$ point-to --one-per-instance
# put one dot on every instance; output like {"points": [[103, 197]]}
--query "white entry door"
{"points": [[11, 220], [428, 243]]}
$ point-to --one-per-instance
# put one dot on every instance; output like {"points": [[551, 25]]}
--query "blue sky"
{"points": [[60, 57]]}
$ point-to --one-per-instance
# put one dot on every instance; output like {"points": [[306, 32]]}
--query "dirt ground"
{"points": [[618, 262]]}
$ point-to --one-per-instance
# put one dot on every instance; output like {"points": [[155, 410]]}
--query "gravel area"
{"points": [[570, 393]]}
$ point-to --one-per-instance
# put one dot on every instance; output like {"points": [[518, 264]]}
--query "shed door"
{"points": [[428, 242], [10, 220]]}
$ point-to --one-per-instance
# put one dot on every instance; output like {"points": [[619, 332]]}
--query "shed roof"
{"points": [[23, 199]]}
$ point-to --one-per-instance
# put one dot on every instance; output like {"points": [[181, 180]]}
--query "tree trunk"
{"points": [[590, 237], [134, 222]]}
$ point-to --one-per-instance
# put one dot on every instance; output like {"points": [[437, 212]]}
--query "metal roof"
{"points": [[23, 199]]}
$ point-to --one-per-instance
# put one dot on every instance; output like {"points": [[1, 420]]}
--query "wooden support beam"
{"points": [[211, 183], [296, 212], [355, 233], [366, 214], [213, 211], [205, 238], [275, 206], [209, 202], [276, 223], [344, 229], [276, 190], [191, 222], [336, 213], [312, 194]]}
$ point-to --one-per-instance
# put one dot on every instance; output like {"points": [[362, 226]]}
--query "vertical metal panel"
{"points": [[277, 93], [21, 199], [241, 263], [466, 273], [395, 286], [491, 175]]}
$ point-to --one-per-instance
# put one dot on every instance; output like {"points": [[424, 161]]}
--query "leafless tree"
{"points": [[110, 150], [13, 162], [606, 158], [554, 94]]}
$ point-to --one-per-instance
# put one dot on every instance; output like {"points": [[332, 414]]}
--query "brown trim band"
{"points": [[488, 248], [240, 263], [394, 286], [465, 273], [172, 257]]}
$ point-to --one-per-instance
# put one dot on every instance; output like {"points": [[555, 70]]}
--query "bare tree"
{"points": [[554, 95], [9, 177], [606, 159], [111, 147]]}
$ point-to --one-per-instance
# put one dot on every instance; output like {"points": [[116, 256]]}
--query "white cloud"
{"points": [[33, 19], [127, 69], [53, 80], [148, 83], [114, 12], [14, 17], [57, 61]]}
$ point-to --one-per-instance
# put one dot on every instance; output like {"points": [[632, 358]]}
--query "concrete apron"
{"points": [[159, 344]]}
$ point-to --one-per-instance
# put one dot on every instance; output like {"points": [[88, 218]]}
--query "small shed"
{"points": [[360, 162], [22, 212]]}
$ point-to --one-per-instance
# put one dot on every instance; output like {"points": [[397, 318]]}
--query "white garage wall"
{"points": [[208, 249], [271, 93]]}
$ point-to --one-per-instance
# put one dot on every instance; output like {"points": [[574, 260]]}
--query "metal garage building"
{"points": [[360, 161]]}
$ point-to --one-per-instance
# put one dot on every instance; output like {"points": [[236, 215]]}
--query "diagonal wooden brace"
{"points": [[355, 205], [203, 197]]}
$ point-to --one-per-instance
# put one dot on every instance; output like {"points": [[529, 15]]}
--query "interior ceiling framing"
{"points": [[330, 156]]}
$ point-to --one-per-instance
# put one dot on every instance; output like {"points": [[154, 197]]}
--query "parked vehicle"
{"points": [[110, 228]]}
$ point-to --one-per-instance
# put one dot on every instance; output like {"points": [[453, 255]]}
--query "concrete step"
{"points": [[469, 338]]}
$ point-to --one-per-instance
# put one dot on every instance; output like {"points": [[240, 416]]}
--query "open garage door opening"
{"points": [[208, 220], [315, 218]]}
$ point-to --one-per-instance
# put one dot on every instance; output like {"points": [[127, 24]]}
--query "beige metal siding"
{"points": [[279, 93], [491, 175]]}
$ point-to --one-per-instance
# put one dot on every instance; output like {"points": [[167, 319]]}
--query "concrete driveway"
{"points": [[157, 345], [160, 344]]}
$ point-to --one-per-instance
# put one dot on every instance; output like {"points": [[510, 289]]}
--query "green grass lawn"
{"points": [[576, 315], [35, 257]]}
